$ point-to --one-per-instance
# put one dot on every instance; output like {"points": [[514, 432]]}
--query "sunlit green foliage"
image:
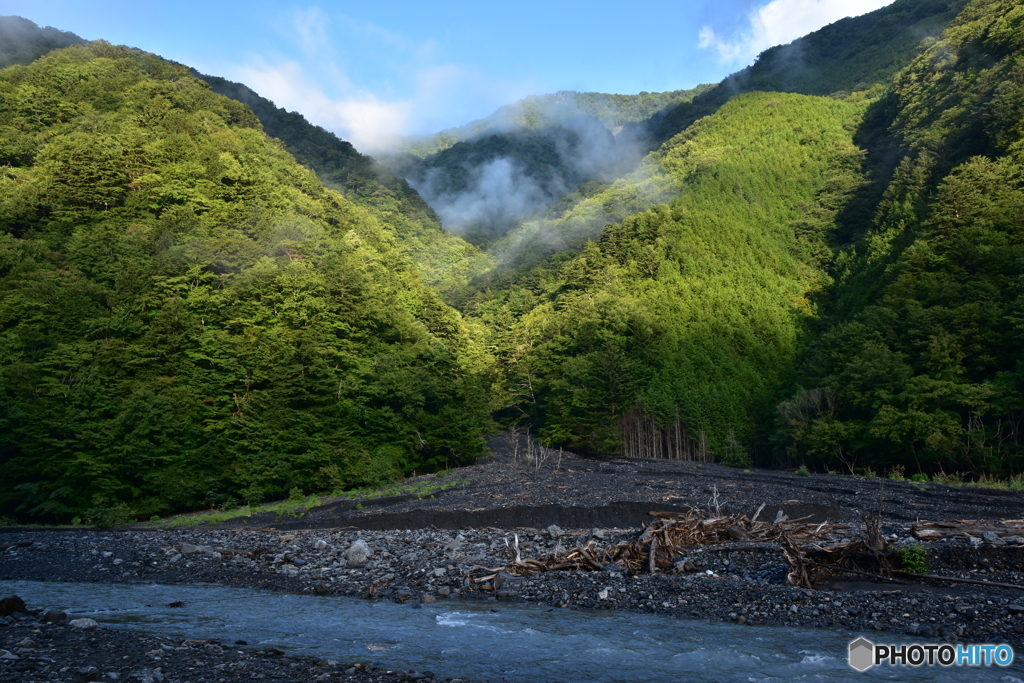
{"points": [[443, 260], [698, 304], [188, 316]]}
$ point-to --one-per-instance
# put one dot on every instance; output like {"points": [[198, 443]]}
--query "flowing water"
{"points": [[483, 640]]}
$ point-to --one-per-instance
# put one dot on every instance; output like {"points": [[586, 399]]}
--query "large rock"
{"points": [[357, 554], [84, 622], [55, 616], [188, 548], [9, 606]]}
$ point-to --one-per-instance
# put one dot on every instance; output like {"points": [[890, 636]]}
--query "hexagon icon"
{"points": [[862, 654]]}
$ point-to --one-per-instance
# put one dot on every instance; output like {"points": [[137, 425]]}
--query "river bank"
{"points": [[458, 545]]}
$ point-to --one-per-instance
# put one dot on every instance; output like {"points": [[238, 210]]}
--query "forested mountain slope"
{"points": [[858, 54], [679, 329], [187, 316], [445, 260], [692, 313], [923, 366], [546, 111]]}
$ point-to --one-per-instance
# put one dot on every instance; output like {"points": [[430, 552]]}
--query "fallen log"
{"points": [[19, 544], [933, 531], [957, 579]]}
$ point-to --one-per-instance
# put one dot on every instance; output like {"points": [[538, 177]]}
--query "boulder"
{"points": [[55, 616], [83, 623], [9, 606], [357, 554]]}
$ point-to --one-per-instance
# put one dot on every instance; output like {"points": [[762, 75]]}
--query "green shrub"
{"points": [[920, 476], [104, 514], [912, 559], [803, 471], [898, 473]]}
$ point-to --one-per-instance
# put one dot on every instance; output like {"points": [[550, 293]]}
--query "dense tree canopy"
{"points": [[188, 315]]}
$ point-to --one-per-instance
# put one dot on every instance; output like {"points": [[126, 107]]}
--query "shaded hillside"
{"points": [[922, 366], [547, 111], [23, 41], [188, 317]]}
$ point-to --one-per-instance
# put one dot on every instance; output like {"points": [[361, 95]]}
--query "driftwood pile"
{"points": [[814, 552], [670, 535], [811, 563]]}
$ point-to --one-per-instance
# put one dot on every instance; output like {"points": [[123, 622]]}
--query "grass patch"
{"points": [[298, 504], [1014, 483]]}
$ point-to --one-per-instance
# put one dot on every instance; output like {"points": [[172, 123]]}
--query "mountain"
{"points": [[843, 298], [189, 317], [829, 278], [693, 313]]}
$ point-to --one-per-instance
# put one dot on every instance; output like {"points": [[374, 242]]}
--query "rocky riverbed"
{"points": [[339, 550], [33, 648]]}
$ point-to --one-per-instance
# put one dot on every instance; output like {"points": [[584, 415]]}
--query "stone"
{"points": [[554, 531], [1015, 609], [500, 578], [28, 643], [357, 554], [992, 537], [4, 654], [320, 544], [83, 623], [11, 605], [439, 572], [444, 591], [176, 558], [427, 599], [118, 561], [603, 594], [188, 548]]}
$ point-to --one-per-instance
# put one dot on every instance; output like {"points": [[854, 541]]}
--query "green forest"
{"points": [[206, 301]]}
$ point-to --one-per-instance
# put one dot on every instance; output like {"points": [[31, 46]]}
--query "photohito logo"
{"points": [[864, 654]]}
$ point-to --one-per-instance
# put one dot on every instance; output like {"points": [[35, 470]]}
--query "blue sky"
{"points": [[370, 70]]}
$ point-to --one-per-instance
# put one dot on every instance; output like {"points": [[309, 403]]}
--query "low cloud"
{"points": [[780, 22], [361, 118], [420, 92]]}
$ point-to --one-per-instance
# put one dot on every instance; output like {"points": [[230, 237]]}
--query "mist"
{"points": [[23, 41], [523, 159]]}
